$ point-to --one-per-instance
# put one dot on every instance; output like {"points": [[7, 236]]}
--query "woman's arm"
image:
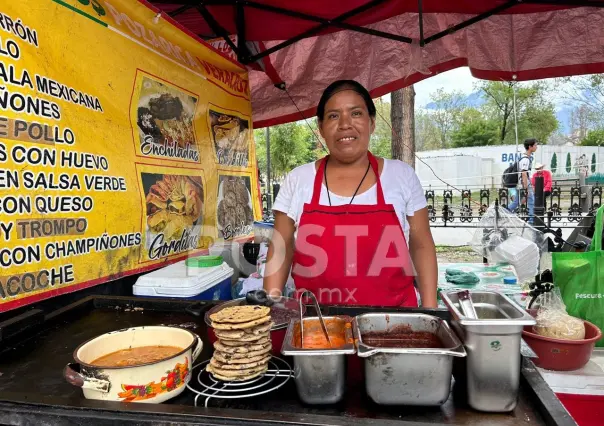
{"points": [[280, 255], [423, 255]]}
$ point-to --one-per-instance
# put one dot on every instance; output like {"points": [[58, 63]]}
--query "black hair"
{"points": [[529, 143], [338, 86]]}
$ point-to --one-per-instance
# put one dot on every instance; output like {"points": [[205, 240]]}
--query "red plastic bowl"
{"points": [[562, 355]]}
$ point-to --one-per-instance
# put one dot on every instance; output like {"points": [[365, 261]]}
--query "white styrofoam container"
{"points": [[174, 281], [517, 249]]}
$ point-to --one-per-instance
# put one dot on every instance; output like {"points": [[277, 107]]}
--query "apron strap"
{"points": [[319, 180], [316, 193], [374, 165]]}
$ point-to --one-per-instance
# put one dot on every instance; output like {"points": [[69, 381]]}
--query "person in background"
{"points": [[524, 168], [547, 179]]}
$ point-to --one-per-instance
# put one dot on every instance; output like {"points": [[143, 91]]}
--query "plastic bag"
{"points": [[553, 321], [493, 229]]}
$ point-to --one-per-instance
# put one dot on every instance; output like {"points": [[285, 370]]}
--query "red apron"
{"points": [[353, 254]]}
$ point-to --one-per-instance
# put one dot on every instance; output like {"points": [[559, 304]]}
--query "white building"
{"points": [[479, 167]]}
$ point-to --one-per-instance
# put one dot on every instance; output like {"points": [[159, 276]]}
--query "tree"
{"points": [[292, 145], [593, 162], [426, 132], [478, 132], [588, 93], [568, 163], [535, 114], [447, 108], [538, 121], [582, 120], [554, 163], [380, 142], [403, 127], [594, 138]]}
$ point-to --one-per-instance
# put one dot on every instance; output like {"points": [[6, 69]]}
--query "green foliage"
{"points": [[568, 163], [595, 178], [380, 142], [535, 113], [554, 163], [476, 132], [426, 132], [452, 123], [594, 138], [446, 115], [292, 145]]}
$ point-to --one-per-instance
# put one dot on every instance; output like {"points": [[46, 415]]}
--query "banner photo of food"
{"points": [[234, 214], [173, 212], [164, 120], [230, 134], [116, 170]]}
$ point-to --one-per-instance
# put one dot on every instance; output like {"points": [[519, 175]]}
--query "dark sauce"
{"points": [[282, 315], [402, 337]]}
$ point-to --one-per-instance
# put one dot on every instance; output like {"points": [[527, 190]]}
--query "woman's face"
{"points": [[347, 126]]}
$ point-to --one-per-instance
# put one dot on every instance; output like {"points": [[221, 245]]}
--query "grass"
{"points": [[455, 254]]}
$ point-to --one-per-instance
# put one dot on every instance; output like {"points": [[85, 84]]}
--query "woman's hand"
{"points": [[280, 255], [423, 255]]}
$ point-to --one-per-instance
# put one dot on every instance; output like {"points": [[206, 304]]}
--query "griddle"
{"points": [[36, 346]]}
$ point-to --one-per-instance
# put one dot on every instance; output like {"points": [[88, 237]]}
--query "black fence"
{"points": [[565, 207]]}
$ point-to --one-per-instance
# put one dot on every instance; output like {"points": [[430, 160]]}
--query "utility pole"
{"points": [[269, 200]]}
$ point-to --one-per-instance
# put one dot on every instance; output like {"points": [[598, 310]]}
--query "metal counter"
{"points": [[33, 390]]}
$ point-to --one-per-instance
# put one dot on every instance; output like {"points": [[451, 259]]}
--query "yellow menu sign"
{"points": [[125, 144]]}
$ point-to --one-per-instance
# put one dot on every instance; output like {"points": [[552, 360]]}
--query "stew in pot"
{"points": [[136, 356]]}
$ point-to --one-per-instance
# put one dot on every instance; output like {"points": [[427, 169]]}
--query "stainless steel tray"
{"points": [[494, 310], [408, 376], [491, 370], [320, 374]]}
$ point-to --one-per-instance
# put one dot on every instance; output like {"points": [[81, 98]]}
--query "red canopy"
{"points": [[294, 49]]}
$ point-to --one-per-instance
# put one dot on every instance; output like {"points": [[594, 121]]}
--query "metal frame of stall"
{"points": [[246, 57]]}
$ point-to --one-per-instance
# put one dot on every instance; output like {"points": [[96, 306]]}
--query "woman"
{"points": [[547, 179], [342, 223]]}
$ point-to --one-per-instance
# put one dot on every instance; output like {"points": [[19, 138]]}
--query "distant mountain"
{"points": [[563, 110], [473, 100]]}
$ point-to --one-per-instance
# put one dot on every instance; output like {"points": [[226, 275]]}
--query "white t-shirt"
{"points": [[400, 184], [524, 165]]}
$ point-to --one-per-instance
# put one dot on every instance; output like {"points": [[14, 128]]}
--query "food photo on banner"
{"points": [[234, 214], [230, 134]]}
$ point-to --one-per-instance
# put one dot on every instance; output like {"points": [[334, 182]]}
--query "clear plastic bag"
{"points": [[499, 226], [553, 321]]}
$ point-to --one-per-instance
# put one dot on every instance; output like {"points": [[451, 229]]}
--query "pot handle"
{"points": [[72, 375], [198, 348]]}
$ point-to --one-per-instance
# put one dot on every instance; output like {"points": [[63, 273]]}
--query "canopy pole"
{"points": [[420, 9], [269, 201], [515, 114], [242, 55]]}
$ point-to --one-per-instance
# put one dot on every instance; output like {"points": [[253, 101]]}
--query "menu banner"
{"points": [[125, 145]]}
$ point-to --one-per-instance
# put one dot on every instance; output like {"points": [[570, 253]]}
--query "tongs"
{"points": [[323, 327], [466, 305], [467, 308]]}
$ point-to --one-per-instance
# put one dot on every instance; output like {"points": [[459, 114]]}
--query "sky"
{"points": [[457, 79]]}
